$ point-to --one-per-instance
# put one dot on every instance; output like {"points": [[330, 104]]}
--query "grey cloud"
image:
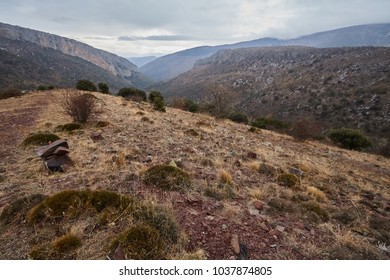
{"points": [[156, 38]]}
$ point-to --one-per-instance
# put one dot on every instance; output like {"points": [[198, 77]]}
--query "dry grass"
{"points": [[130, 147]]}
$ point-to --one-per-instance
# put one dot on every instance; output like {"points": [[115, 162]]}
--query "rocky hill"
{"points": [[114, 65], [170, 66], [26, 65], [144, 184], [338, 86]]}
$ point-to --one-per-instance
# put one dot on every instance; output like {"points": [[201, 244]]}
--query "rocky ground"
{"points": [[236, 206]]}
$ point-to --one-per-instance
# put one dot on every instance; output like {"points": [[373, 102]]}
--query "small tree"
{"points": [[78, 105], [191, 106], [351, 139], [238, 117], [103, 88], [85, 85], [153, 95], [132, 94]]}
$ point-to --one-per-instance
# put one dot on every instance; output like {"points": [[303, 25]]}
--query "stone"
{"points": [[57, 163], [119, 254], [48, 150], [235, 244], [280, 228], [60, 151], [224, 226], [258, 205], [252, 155], [244, 253], [96, 136], [173, 163], [296, 172]]}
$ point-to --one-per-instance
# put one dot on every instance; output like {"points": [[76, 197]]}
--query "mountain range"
{"points": [[172, 65], [30, 49]]}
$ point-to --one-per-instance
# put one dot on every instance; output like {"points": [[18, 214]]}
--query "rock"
{"points": [[209, 218], [96, 136], [235, 244], [280, 228], [274, 233], [252, 155], [244, 253], [224, 227], [258, 205], [296, 172], [173, 163], [60, 151], [119, 254], [48, 150], [57, 163]]}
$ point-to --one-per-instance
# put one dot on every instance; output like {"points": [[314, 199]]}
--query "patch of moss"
{"points": [[267, 169], [72, 203], [17, 210], [66, 243], [39, 139], [317, 209], [159, 218], [220, 192], [141, 242], [288, 180], [346, 216], [68, 127], [167, 177]]}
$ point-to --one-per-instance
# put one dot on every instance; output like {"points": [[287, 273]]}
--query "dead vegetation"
{"points": [[155, 190]]}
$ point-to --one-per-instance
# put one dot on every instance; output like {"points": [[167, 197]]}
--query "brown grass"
{"points": [[333, 177]]}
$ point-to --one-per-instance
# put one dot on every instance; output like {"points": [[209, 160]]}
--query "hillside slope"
{"points": [[114, 65], [170, 66], [338, 209], [26, 66], [339, 86]]}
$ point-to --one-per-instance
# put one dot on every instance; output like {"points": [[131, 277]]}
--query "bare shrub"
{"points": [[304, 129], [78, 105]]}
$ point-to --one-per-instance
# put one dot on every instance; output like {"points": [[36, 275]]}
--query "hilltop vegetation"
{"points": [[338, 87], [177, 185]]}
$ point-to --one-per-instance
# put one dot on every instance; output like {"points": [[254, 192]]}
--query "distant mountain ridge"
{"points": [[339, 86], [172, 65], [118, 68], [25, 65], [141, 61]]}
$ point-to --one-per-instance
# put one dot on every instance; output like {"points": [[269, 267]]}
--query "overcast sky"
{"points": [[156, 27]]}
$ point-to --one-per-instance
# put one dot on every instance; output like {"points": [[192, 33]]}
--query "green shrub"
{"points": [[159, 105], [167, 177], [103, 88], [85, 85], [238, 117], [191, 106], [40, 139], [269, 123], [153, 95], [349, 139], [132, 94]]}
